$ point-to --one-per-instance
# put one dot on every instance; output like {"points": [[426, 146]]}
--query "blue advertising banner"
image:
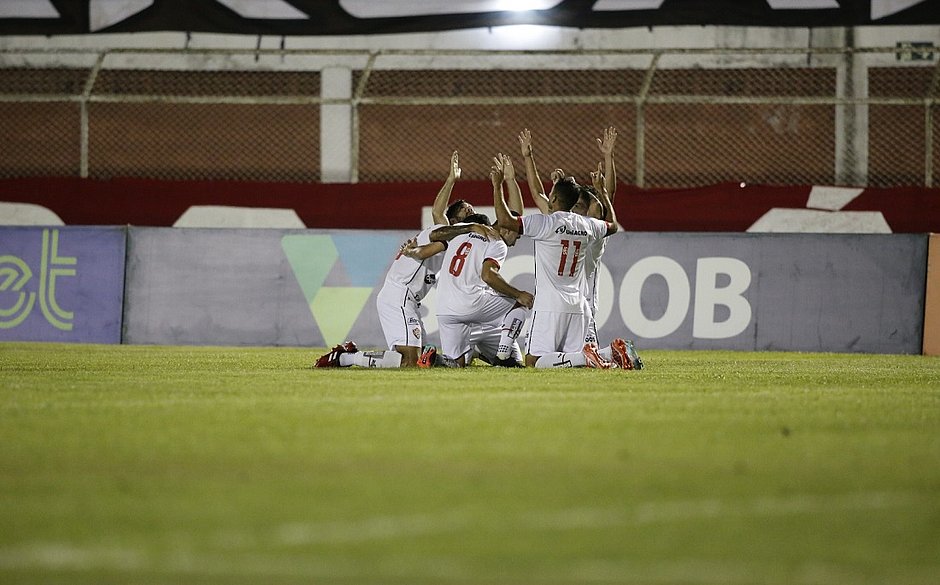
{"points": [[61, 284], [791, 292]]}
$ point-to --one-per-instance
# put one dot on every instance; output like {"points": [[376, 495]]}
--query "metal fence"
{"points": [[865, 117]]}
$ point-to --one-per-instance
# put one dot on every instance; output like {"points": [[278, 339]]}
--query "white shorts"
{"points": [[400, 317], [483, 325], [590, 310], [555, 332]]}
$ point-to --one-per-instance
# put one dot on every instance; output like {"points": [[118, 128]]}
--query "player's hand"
{"points": [[606, 144], [454, 167], [496, 176], [509, 171], [485, 231], [408, 248], [525, 299], [525, 142]]}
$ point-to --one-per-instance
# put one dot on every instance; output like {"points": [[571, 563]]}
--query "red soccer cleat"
{"points": [[426, 360], [593, 359], [331, 359], [618, 348]]}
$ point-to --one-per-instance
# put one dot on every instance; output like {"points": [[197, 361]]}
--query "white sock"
{"points": [[510, 329], [517, 352], [562, 360], [606, 353], [371, 359]]}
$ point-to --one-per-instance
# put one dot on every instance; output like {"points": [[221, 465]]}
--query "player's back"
{"points": [[460, 285], [562, 240], [416, 275]]}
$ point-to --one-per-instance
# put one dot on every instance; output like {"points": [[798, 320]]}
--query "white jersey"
{"points": [[561, 244], [413, 276], [460, 287], [591, 261]]}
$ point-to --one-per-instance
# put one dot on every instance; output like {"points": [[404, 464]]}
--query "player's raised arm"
{"points": [[606, 146], [439, 209], [514, 194], [597, 178], [536, 189], [504, 217]]}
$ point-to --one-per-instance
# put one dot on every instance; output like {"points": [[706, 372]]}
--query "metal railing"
{"points": [[864, 117]]}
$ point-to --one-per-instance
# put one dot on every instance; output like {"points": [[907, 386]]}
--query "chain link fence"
{"points": [[685, 118]]}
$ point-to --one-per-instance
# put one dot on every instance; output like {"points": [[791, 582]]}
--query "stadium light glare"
{"points": [[523, 5], [528, 36]]}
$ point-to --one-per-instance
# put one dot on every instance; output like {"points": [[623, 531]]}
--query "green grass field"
{"points": [[138, 464]]}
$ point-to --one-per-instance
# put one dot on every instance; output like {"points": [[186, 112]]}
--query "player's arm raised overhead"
{"points": [[597, 178], [606, 146], [536, 190], [495, 280], [439, 209], [513, 193], [504, 217]]}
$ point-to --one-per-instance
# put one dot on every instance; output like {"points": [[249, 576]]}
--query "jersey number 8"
{"points": [[460, 258]]}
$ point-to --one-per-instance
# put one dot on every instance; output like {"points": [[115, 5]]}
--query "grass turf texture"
{"points": [[148, 464]]}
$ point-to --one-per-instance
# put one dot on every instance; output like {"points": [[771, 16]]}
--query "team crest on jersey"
{"points": [[416, 332]]}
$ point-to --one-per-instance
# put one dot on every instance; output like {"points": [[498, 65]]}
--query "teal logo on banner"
{"points": [[63, 284], [338, 275]]}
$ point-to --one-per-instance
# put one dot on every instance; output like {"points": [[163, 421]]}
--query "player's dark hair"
{"points": [[567, 190], [480, 218], [453, 208]]}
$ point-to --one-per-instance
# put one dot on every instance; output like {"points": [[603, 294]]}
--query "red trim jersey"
{"points": [[460, 286], [561, 245], [416, 276]]}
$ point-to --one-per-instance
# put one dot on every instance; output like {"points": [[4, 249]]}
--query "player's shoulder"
{"points": [[499, 245]]}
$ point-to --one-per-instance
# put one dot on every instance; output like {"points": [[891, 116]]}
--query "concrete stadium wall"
{"points": [[806, 292]]}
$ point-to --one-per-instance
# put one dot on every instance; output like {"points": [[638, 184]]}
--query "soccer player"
{"points": [[621, 352], [406, 284], [558, 322], [588, 204], [478, 309]]}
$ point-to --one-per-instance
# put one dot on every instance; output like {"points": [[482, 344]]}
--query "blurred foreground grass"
{"points": [[152, 464]]}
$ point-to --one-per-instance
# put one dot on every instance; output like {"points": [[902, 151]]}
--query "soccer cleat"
{"points": [[426, 359], [507, 363], [634, 356], [331, 359], [593, 360], [618, 349]]}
